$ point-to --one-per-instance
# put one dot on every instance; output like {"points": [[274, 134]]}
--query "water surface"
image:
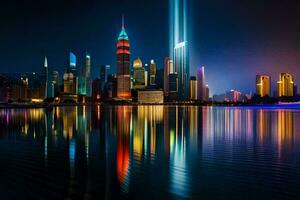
{"points": [[150, 152]]}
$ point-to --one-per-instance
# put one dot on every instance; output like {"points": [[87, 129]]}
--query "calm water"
{"points": [[150, 152]]}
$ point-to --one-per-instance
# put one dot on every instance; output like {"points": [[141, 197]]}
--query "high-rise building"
{"points": [[87, 74], [173, 87], [168, 69], [104, 72], [152, 72], [263, 85], [55, 84], [46, 77], [179, 45], [96, 90], [193, 88], [285, 85], [206, 93], [123, 65], [139, 79], [201, 84]]}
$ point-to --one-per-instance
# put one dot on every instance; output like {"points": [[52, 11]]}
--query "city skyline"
{"points": [[270, 52]]}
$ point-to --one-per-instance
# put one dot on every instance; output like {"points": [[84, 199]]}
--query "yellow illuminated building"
{"points": [[193, 89], [263, 85], [285, 85]]}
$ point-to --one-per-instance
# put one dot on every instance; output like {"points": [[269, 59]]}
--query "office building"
{"points": [[139, 75], [152, 72], [201, 84], [55, 84], [96, 90], [285, 85], [263, 85], [193, 88], [104, 72], [173, 87]]}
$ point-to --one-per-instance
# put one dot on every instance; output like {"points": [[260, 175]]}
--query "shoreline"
{"points": [[52, 105]]}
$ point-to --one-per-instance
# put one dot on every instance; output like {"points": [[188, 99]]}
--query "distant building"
{"points": [[206, 93], [111, 86], [295, 90], [285, 85], [104, 72], [193, 88], [234, 96], [139, 76], [201, 84], [152, 72], [46, 77], [219, 97], [159, 80], [84, 77], [123, 65], [96, 90], [173, 87], [55, 84], [150, 96], [263, 85], [168, 69]]}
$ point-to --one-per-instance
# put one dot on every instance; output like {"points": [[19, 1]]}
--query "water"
{"points": [[150, 152]]}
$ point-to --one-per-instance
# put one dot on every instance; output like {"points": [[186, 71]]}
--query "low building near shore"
{"points": [[150, 97]]}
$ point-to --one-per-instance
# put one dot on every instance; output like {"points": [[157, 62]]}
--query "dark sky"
{"points": [[234, 39]]}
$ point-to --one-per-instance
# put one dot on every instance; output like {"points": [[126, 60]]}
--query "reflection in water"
{"points": [[177, 152]]}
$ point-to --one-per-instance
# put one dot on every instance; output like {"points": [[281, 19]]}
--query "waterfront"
{"points": [[150, 152]]}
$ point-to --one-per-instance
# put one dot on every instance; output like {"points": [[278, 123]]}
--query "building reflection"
{"points": [[129, 138]]}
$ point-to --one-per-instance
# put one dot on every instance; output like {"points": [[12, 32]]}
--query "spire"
{"points": [[46, 62], [123, 22]]}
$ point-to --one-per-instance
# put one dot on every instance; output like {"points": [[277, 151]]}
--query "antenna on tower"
{"points": [[123, 22]]}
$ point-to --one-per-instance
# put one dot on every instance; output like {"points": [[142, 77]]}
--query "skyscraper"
{"points": [[152, 72], [55, 84], [285, 85], [179, 45], [263, 85], [87, 74], [201, 84], [123, 65], [139, 81], [46, 77], [193, 88], [168, 69], [104, 72]]}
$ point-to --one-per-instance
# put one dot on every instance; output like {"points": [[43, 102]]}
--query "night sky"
{"points": [[234, 39]]}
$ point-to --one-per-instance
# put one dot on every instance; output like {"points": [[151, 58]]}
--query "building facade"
{"points": [[285, 85], [201, 84], [193, 88], [263, 85], [123, 65], [152, 72]]}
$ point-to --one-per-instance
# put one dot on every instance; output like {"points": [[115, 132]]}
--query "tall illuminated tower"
{"points": [[46, 77], [123, 65], [179, 45]]}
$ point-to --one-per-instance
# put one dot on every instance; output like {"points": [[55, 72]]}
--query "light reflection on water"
{"points": [[150, 152]]}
